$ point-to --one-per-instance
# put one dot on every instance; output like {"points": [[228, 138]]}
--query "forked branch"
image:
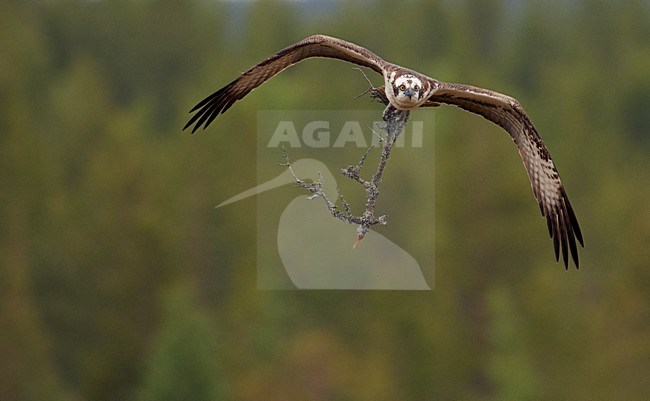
{"points": [[394, 122]]}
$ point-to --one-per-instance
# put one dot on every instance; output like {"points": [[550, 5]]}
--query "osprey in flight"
{"points": [[406, 89]]}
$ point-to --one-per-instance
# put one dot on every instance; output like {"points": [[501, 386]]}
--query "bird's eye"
{"points": [[402, 87], [416, 87]]}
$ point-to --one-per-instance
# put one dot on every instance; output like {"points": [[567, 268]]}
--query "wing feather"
{"points": [[545, 181], [314, 46]]}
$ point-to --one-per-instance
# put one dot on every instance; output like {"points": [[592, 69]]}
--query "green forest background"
{"points": [[120, 281]]}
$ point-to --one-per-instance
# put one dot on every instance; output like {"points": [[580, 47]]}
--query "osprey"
{"points": [[406, 89]]}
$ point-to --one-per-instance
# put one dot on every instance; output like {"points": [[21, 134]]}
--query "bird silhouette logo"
{"points": [[320, 255]]}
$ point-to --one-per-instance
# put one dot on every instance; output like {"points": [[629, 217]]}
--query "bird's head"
{"points": [[408, 90]]}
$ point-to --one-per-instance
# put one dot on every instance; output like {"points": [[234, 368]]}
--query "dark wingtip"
{"points": [[572, 246], [574, 231], [574, 252], [563, 239], [208, 108], [556, 240], [213, 115], [191, 121], [575, 225]]}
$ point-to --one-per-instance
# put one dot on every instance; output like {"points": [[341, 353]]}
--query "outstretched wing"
{"points": [[544, 179], [313, 46]]}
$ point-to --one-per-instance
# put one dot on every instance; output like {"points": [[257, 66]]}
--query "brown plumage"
{"points": [[408, 89]]}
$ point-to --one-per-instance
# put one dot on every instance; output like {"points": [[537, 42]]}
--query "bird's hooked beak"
{"points": [[409, 92]]}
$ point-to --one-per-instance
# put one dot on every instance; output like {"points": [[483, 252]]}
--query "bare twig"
{"points": [[316, 190], [352, 172], [379, 137], [371, 89]]}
